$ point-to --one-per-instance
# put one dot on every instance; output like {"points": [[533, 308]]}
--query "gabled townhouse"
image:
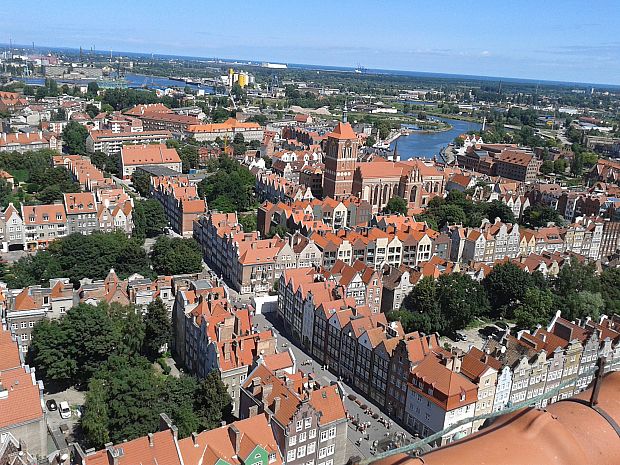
{"points": [[357, 281], [244, 442], [12, 229], [218, 336], [309, 422], [480, 369], [438, 396], [408, 353]]}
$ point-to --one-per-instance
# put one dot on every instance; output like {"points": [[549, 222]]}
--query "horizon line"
{"points": [[319, 67]]}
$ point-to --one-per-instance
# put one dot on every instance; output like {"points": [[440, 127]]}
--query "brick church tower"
{"points": [[340, 158]]}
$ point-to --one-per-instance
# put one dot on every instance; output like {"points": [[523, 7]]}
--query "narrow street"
{"points": [[376, 433]]}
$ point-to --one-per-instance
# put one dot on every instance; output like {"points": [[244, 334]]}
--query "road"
{"points": [[359, 443]]}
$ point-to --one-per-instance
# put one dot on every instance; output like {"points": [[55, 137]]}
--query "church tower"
{"points": [[340, 158]]}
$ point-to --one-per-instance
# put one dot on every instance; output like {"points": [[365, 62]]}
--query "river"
{"points": [[131, 80], [429, 144]]}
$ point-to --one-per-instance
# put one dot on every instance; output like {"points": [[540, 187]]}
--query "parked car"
{"points": [[51, 405], [461, 336], [65, 410]]}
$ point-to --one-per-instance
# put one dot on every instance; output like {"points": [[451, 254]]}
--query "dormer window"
{"points": [[46, 217], [31, 218], [58, 216]]}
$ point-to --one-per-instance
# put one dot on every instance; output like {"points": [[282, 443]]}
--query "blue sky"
{"points": [[545, 39]]}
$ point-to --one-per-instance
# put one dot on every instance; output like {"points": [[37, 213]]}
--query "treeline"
{"points": [[109, 350], [458, 208], [454, 301], [92, 256]]}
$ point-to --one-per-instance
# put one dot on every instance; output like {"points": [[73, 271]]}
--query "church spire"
{"points": [[344, 112]]}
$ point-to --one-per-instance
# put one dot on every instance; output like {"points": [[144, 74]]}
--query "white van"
{"points": [[65, 410]]}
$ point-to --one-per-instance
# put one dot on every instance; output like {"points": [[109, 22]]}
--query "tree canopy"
{"points": [[80, 256], [230, 188], [149, 218], [176, 256], [444, 305], [74, 137], [396, 205]]}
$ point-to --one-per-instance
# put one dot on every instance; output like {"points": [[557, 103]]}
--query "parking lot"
{"points": [[67, 426]]}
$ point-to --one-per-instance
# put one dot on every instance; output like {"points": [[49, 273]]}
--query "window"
{"points": [[24, 337], [332, 432], [292, 440], [290, 455], [322, 452], [24, 325], [298, 425], [307, 422], [330, 449], [31, 324], [310, 462], [63, 310], [330, 462], [302, 437], [272, 457], [301, 451], [312, 434], [13, 325], [311, 448], [324, 435]]}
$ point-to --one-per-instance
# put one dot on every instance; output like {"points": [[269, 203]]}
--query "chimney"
{"points": [[266, 391], [276, 404], [235, 437], [195, 438], [114, 454], [253, 411], [166, 423]]}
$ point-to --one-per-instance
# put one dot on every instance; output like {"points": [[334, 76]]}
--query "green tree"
{"points": [[149, 218], [547, 167], [581, 305], [450, 214], [249, 222], [506, 286], [71, 349], [498, 209], [213, 403], [230, 188], [92, 110], [610, 289], [559, 166], [370, 141], [158, 329], [141, 182], [396, 205], [92, 89], [95, 420], [172, 256], [538, 216], [74, 137], [535, 309], [461, 299], [423, 306]]}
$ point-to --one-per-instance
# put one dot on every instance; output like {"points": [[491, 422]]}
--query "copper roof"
{"points": [[565, 433]]}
